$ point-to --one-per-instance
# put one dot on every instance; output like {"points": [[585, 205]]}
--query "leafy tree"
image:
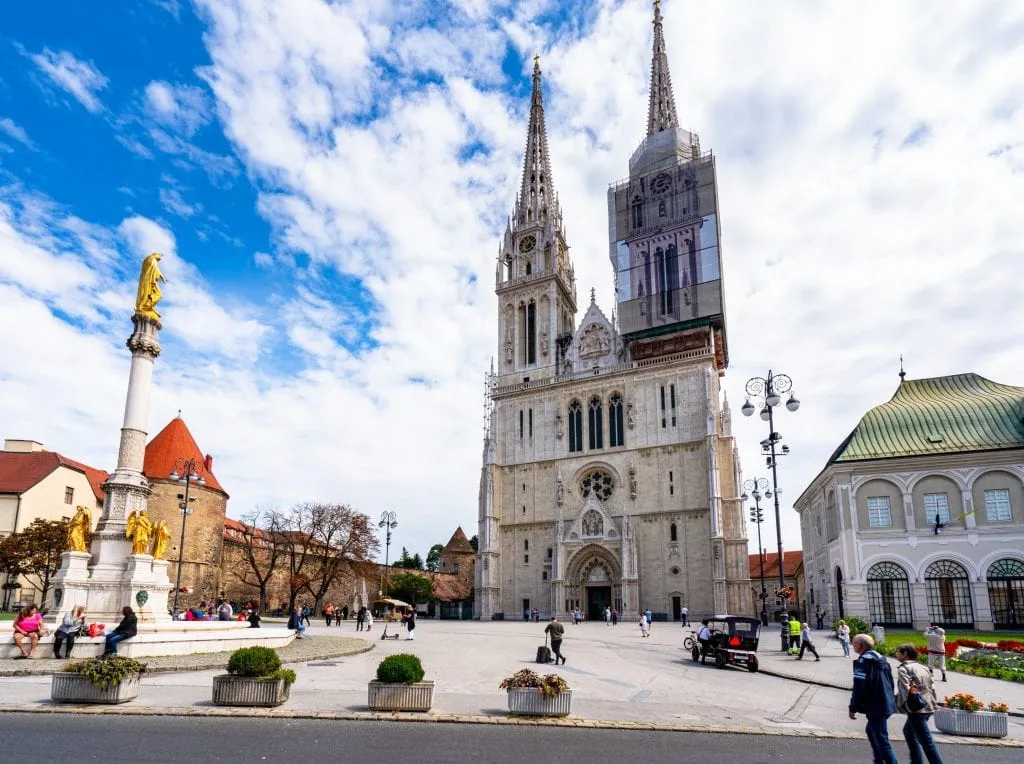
{"points": [[411, 588], [324, 543], [409, 562], [475, 543], [434, 557], [35, 553], [263, 548]]}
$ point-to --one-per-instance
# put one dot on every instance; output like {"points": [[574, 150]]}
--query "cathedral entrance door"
{"points": [[598, 598]]}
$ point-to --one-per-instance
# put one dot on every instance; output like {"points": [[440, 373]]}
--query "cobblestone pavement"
{"points": [[618, 680]]}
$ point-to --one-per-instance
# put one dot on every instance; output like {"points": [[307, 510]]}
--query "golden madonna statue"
{"points": [[160, 538], [79, 530], [139, 530], [149, 293]]}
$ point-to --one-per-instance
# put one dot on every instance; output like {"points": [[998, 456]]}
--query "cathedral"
{"points": [[610, 474]]}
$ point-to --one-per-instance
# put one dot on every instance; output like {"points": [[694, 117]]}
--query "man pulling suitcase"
{"points": [[557, 631]]}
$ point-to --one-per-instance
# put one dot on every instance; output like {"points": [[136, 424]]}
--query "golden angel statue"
{"points": [[160, 538], [149, 287], [139, 530], [79, 530]]}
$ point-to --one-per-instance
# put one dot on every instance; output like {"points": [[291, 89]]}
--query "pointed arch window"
{"points": [[616, 436], [638, 212], [528, 332], [575, 427], [595, 423]]}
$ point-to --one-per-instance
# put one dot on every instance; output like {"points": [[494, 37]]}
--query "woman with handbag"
{"points": [[915, 697], [72, 626]]}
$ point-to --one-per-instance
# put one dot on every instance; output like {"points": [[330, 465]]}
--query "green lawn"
{"points": [[6, 616], [916, 638]]}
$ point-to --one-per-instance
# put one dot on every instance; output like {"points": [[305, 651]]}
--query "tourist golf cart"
{"points": [[733, 642]]}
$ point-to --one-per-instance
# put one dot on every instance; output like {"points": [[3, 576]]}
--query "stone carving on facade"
{"points": [[544, 341], [630, 423], [559, 488], [595, 342], [632, 480], [559, 427], [592, 523]]}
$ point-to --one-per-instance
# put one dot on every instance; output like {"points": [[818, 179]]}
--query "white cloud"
{"points": [[174, 203], [79, 78], [15, 131], [841, 247], [182, 108]]}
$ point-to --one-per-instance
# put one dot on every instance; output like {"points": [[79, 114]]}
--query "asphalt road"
{"points": [[79, 738]]}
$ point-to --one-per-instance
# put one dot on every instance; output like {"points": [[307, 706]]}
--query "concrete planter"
{"points": [[229, 690], [953, 721], [382, 696], [75, 688], [527, 701]]}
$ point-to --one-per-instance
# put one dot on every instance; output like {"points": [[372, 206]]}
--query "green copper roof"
{"points": [[963, 412]]}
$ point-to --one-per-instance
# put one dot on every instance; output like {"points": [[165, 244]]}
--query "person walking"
{"points": [[615, 618], [647, 616], [794, 635], [410, 625], [369, 620], [807, 644], [607, 616], [684, 613], [328, 614], [643, 626], [70, 627], [704, 638], [557, 632], [295, 623], [360, 618], [873, 695], [127, 629], [912, 679], [843, 633], [936, 637], [305, 614]]}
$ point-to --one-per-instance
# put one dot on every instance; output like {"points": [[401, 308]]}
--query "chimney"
{"points": [[208, 463], [19, 446]]}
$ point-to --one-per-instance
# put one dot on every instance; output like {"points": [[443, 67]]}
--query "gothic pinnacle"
{"points": [[537, 185], [661, 110]]}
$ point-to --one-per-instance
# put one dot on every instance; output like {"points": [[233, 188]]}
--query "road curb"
{"points": [[438, 718]]}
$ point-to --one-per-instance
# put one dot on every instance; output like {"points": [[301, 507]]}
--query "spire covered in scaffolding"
{"points": [[661, 110]]}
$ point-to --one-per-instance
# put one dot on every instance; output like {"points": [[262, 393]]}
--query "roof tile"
{"points": [[171, 444]]}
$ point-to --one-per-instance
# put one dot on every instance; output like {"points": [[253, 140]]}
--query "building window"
{"points": [[663, 406], [879, 515], [520, 424], [530, 418], [997, 505], [949, 594], [526, 545], [661, 209], [544, 575], [616, 437], [595, 421], [550, 552], [598, 484], [455, 567], [69, 495], [889, 595], [672, 396], [638, 212], [526, 559], [575, 427], [936, 508], [672, 533]]}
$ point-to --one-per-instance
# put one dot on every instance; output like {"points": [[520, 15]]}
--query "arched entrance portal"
{"points": [[593, 582]]}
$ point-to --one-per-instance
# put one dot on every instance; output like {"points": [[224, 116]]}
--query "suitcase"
{"points": [[544, 652]]}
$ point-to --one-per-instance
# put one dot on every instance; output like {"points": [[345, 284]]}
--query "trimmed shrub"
{"points": [[253, 662], [401, 668]]}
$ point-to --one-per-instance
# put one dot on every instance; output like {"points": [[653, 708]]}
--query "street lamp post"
{"points": [[389, 521], [186, 477], [770, 390], [758, 487]]}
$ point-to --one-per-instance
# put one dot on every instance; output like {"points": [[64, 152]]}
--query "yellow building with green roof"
{"points": [[918, 515]]}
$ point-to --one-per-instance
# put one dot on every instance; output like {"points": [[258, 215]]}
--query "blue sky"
{"points": [[330, 184]]}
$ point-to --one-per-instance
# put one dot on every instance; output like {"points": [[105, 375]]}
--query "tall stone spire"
{"points": [[537, 184], [661, 111]]}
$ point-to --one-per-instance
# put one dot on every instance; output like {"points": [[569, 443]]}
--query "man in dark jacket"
{"points": [[873, 696], [557, 632], [127, 629]]}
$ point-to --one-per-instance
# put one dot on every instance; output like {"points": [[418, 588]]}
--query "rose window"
{"points": [[597, 484]]}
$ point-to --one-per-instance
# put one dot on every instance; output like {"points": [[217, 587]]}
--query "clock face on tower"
{"points": [[527, 244], [661, 183]]}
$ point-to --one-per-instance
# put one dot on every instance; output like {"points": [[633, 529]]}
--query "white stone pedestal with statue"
{"points": [[121, 564]]}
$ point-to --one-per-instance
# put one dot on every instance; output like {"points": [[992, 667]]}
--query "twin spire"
{"points": [[661, 111]]}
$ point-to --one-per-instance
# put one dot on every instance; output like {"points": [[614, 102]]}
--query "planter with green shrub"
{"points": [[530, 694], [399, 685], [254, 678], [109, 679]]}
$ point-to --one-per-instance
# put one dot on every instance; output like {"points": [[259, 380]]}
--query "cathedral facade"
{"points": [[610, 476]]}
